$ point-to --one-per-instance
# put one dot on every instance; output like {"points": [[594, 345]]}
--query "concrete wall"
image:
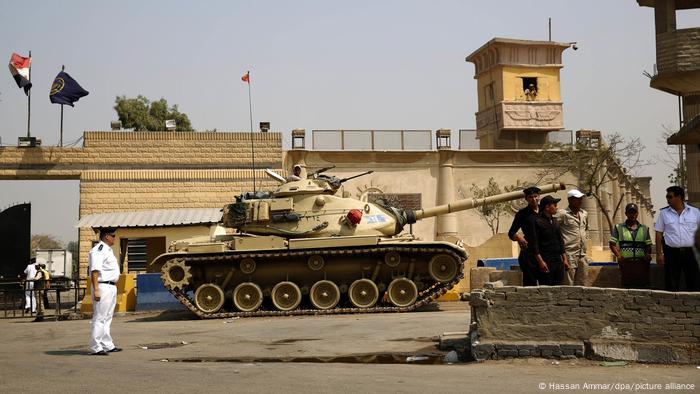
{"points": [[613, 323]]}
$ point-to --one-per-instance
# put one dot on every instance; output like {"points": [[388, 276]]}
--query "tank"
{"points": [[303, 250]]}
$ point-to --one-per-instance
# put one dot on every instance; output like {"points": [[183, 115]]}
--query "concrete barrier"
{"points": [[152, 295], [126, 295]]}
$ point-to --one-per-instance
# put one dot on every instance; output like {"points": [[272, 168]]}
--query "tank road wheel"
{"points": [[209, 298], [247, 297], [324, 294], [392, 259], [286, 296], [175, 274], [443, 268], [363, 293], [248, 266], [402, 292], [315, 262]]}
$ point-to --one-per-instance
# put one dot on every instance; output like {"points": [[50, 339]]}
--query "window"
{"points": [[530, 88], [141, 251]]}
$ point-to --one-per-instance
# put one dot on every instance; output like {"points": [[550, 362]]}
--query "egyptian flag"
{"points": [[19, 67], [65, 90]]}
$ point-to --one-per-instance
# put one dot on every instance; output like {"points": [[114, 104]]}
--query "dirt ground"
{"points": [[176, 353]]}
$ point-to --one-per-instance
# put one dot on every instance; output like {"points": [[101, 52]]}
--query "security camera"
{"points": [[574, 47]]}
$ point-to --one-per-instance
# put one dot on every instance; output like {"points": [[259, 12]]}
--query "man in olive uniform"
{"points": [[630, 242], [104, 274], [573, 223], [41, 281]]}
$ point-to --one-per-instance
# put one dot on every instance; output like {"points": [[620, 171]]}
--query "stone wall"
{"points": [[678, 50], [640, 325], [130, 171]]}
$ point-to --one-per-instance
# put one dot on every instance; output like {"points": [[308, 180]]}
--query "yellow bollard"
{"points": [[126, 295]]}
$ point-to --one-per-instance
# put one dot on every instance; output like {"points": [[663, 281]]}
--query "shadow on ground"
{"points": [[67, 352], [165, 316]]}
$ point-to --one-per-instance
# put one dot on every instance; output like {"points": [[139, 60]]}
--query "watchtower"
{"points": [[519, 92]]}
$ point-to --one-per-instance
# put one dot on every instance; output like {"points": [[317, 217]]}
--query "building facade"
{"points": [[677, 72]]}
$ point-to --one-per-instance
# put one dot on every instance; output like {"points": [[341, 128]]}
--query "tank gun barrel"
{"points": [[319, 171], [469, 203], [356, 176]]}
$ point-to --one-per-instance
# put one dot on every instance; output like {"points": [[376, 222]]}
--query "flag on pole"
{"points": [[19, 68], [65, 90], [246, 77]]}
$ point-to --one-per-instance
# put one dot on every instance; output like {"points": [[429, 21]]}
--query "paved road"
{"points": [[54, 354]]}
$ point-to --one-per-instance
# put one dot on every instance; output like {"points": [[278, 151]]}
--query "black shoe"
{"points": [[38, 319], [115, 349], [100, 353]]}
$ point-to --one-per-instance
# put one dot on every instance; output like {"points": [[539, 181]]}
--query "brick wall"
{"points": [[127, 171], [678, 50], [111, 151], [598, 317]]}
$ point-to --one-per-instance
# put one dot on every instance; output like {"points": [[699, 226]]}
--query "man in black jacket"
{"points": [[546, 244], [520, 221]]}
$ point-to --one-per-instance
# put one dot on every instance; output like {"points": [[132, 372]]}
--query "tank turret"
{"points": [[303, 250], [309, 208]]}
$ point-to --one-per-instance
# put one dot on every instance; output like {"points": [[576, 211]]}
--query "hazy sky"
{"points": [[315, 65]]}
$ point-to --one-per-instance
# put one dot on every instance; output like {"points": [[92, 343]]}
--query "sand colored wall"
{"points": [[128, 171], [508, 84], [548, 87]]}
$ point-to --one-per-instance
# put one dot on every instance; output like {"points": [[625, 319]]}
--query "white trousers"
{"points": [[102, 312], [29, 298]]}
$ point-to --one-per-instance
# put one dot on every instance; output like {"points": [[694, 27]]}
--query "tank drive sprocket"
{"points": [[175, 274]]}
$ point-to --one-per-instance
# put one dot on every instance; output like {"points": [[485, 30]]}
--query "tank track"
{"points": [[425, 297]]}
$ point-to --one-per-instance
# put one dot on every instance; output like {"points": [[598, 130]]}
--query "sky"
{"points": [[316, 65]]}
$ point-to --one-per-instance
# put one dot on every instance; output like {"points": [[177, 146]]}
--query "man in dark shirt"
{"points": [[525, 260], [547, 245]]}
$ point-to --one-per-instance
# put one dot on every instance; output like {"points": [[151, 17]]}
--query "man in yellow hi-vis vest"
{"points": [[631, 244]]}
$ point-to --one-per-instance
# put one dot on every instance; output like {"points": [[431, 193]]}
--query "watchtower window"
{"points": [[530, 88], [529, 81]]}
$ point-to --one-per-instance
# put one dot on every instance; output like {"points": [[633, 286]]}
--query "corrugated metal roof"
{"points": [[159, 217]]}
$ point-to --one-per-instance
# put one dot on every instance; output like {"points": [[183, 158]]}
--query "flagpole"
{"points": [[252, 148], [60, 143], [29, 98]]}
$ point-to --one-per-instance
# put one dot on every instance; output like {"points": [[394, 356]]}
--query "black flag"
{"points": [[65, 90]]}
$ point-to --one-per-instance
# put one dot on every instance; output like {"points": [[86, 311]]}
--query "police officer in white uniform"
{"points": [[104, 274], [29, 300], [675, 231]]}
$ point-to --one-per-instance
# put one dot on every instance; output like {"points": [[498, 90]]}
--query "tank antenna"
{"points": [[246, 78]]}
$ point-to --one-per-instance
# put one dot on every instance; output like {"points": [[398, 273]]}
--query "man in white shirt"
{"points": [[104, 274], [29, 300], [675, 232]]}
